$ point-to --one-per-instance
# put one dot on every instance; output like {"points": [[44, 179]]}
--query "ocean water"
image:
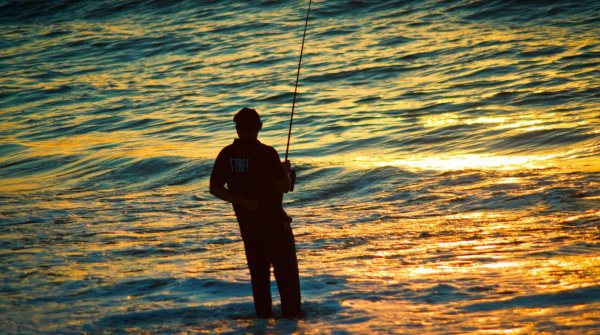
{"points": [[447, 155]]}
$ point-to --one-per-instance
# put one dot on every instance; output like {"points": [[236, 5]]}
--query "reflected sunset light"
{"points": [[461, 162]]}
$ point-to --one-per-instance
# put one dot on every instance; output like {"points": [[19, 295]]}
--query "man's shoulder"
{"points": [[258, 148], [269, 152], [267, 147], [226, 149]]}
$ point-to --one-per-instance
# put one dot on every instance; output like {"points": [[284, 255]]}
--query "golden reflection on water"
{"points": [[505, 259], [498, 251], [460, 162]]}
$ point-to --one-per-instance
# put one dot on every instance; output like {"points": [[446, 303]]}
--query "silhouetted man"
{"points": [[255, 181]]}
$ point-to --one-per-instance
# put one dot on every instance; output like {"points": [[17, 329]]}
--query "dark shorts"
{"points": [[278, 251]]}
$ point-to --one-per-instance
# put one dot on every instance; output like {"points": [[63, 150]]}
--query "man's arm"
{"points": [[221, 192], [217, 185]]}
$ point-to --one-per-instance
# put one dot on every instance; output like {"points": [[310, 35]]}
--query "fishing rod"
{"points": [[287, 149]]}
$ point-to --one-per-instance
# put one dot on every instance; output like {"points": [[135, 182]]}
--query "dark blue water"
{"points": [[447, 153]]}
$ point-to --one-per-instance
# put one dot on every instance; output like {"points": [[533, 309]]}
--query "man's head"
{"points": [[247, 123]]}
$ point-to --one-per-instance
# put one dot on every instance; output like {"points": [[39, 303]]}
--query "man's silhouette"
{"points": [[250, 175]]}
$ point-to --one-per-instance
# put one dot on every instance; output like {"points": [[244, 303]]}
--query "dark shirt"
{"points": [[251, 170]]}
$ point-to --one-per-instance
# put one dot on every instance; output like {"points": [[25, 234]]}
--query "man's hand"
{"points": [[287, 167], [286, 184], [221, 192]]}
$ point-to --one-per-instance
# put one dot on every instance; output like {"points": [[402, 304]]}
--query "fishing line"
{"points": [[287, 149]]}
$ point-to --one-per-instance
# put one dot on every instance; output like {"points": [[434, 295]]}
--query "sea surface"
{"points": [[448, 159]]}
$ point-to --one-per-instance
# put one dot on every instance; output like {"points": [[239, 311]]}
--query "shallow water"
{"points": [[447, 153]]}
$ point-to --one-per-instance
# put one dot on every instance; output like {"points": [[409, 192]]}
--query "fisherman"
{"points": [[251, 176]]}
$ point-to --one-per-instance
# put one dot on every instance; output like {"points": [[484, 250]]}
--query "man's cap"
{"points": [[247, 117]]}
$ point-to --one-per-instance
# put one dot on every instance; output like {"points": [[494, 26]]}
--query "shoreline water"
{"points": [[447, 156]]}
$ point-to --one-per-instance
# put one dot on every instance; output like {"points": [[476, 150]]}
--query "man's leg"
{"points": [[260, 273], [285, 264]]}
